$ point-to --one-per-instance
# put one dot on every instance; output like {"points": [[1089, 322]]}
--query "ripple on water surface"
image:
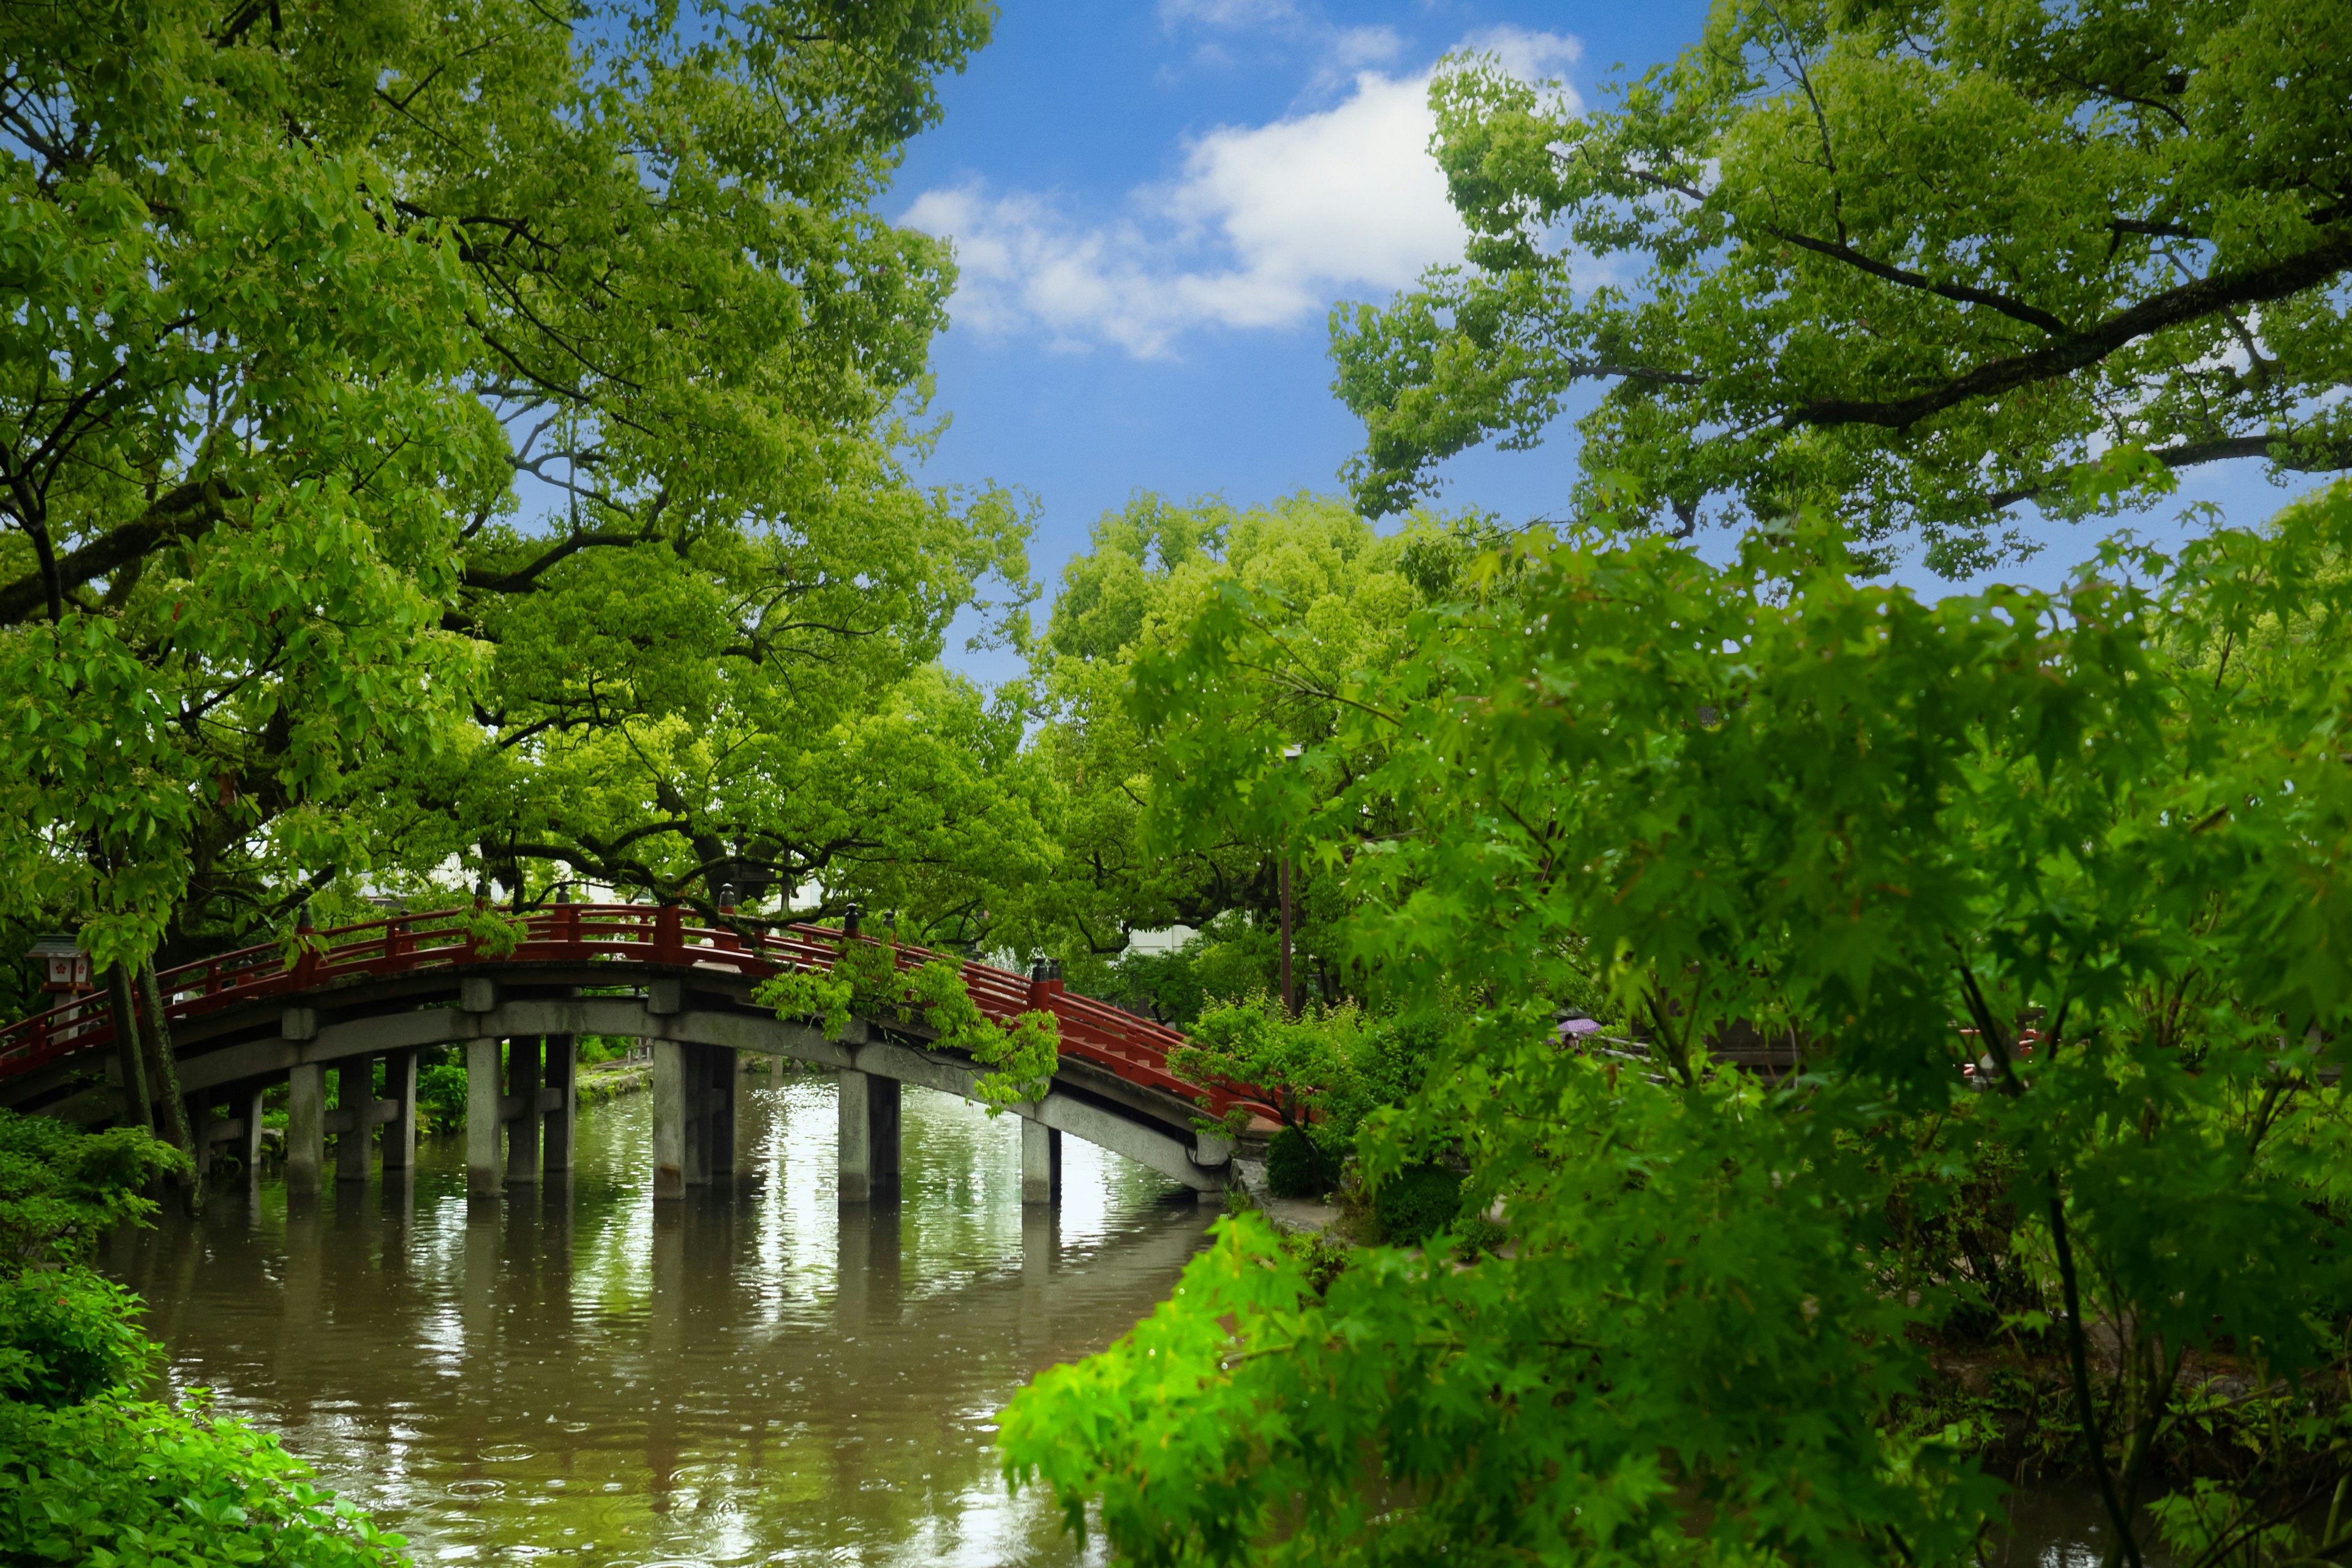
{"points": [[764, 1378]]}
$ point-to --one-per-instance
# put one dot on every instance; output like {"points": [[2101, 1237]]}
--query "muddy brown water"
{"points": [[580, 1375]]}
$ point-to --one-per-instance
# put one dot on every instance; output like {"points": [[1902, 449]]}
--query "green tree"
{"points": [[2112, 821], [1336, 595], [295, 294], [1915, 263]]}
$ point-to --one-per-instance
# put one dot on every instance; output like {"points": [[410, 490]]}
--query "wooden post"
{"points": [[247, 1102], [669, 1119], [748, 1115], [201, 1121], [558, 1102], [695, 1071], [869, 1134], [719, 1143], [1041, 1162]]}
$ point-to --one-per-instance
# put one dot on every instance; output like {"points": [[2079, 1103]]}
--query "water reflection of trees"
{"points": [[713, 1378]]}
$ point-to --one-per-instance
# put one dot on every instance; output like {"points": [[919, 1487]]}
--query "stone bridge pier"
{"points": [[522, 1105]]}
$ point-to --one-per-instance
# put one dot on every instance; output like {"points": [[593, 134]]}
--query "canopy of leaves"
{"points": [[1335, 594], [299, 296], [865, 978], [1323, 1071], [1776, 797], [1912, 261]]}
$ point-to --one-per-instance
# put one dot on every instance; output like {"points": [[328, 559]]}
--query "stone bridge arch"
{"points": [[389, 990]]}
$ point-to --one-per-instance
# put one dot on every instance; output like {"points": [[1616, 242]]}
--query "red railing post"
{"points": [[306, 966], [670, 935]]}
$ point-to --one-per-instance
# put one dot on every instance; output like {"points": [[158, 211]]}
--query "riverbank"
{"points": [[602, 1081], [2012, 1409]]}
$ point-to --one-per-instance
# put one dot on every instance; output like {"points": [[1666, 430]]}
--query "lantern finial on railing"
{"points": [[64, 967], [727, 898]]}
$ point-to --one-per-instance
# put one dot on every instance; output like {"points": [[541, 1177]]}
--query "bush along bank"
{"points": [[93, 1469], [2224, 1426], [2234, 1462], [2216, 1433]]}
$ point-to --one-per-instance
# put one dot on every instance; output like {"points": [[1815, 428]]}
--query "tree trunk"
{"points": [[138, 1105], [175, 1104]]}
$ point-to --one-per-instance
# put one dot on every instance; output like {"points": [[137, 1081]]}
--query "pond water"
{"points": [[759, 1377], [750, 1377]]}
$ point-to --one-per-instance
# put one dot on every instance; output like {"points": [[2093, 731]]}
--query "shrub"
{"points": [[1415, 1203], [88, 1474], [1295, 1167], [595, 1048], [441, 1095], [60, 1189], [131, 1482], [67, 1335]]}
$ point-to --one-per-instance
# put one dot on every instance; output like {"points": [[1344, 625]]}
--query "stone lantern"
{"points": [[64, 967]]}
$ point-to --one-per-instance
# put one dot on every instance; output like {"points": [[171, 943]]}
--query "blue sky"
{"points": [[1155, 205]]}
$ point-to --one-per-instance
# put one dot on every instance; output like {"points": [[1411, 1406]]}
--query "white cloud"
{"points": [[1530, 56], [1350, 47], [1229, 12], [1265, 227]]}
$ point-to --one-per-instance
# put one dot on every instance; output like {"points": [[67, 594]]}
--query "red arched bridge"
{"points": [[387, 989]]}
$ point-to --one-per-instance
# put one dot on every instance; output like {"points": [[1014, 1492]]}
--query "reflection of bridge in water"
{"points": [[747, 1376], [384, 991]]}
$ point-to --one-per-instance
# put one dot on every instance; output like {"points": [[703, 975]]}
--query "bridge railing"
{"points": [[1135, 1049]]}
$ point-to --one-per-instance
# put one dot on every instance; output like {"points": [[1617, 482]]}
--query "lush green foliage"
{"points": [[1915, 262], [123, 1481], [866, 979], [1773, 795], [1324, 1071], [91, 1473], [441, 1095], [61, 1189], [1295, 1167], [294, 296], [1416, 1203], [1225, 959], [67, 1336], [1328, 585]]}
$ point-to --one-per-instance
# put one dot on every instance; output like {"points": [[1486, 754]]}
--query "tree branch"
{"points": [[2016, 310], [2308, 458], [2172, 308], [525, 577], [184, 513]]}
